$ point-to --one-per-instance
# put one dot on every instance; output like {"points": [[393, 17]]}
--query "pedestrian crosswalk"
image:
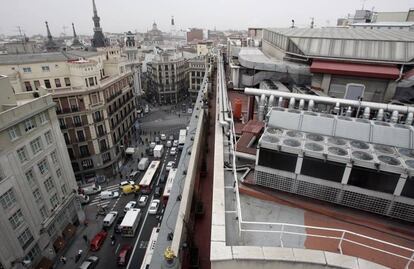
{"points": [[97, 199]]}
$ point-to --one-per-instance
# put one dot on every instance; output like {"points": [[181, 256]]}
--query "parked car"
{"points": [[142, 201], [157, 191], [98, 240], [109, 194], [124, 255], [175, 143], [153, 208], [130, 205], [117, 228], [189, 110], [163, 137], [170, 165], [110, 218]]}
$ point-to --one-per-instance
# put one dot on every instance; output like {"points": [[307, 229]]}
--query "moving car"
{"points": [[110, 218], [157, 140], [109, 194], [175, 143], [163, 137], [168, 144], [142, 201], [124, 255], [134, 174], [117, 228], [91, 189], [170, 165], [83, 199], [173, 151], [89, 263], [98, 240], [153, 208], [130, 205], [152, 145], [126, 182], [127, 189], [171, 137], [157, 192]]}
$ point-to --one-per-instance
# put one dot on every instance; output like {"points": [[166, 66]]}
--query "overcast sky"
{"points": [[124, 15]]}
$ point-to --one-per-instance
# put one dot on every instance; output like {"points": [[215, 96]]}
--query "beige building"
{"points": [[196, 72], [204, 47], [93, 92], [38, 206]]}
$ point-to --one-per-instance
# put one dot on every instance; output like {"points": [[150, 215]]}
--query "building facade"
{"points": [[196, 73], [167, 74], [194, 34], [39, 208], [93, 92]]}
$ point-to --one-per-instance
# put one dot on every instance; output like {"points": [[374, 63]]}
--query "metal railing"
{"points": [[339, 235]]}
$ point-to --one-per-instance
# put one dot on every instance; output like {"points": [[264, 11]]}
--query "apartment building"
{"points": [[196, 72], [38, 206], [167, 74], [93, 92]]}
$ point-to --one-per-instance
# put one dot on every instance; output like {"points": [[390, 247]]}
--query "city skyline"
{"points": [[121, 18]]}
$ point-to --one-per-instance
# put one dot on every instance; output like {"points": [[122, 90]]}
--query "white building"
{"points": [[38, 205]]}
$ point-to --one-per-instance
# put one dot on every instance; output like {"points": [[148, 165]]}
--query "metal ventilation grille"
{"points": [[407, 152], [336, 141], [337, 151], [270, 139], [410, 163], [389, 160], [359, 144], [313, 147], [294, 134], [314, 137], [362, 156], [384, 149], [291, 143], [274, 131]]}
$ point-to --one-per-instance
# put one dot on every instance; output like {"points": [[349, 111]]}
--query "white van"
{"points": [[109, 219]]}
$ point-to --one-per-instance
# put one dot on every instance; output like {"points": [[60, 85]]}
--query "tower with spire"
{"points": [[76, 42], [173, 30], [98, 40], [50, 44]]}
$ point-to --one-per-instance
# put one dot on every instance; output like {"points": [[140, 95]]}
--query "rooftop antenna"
{"points": [[22, 36], [293, 24], [363, 4]]}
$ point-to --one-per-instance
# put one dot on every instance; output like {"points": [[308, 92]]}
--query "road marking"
{"points": [[136, 242], [159, 177]]}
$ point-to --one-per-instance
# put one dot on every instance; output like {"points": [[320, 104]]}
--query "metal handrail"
{"points": [[341, 238]]}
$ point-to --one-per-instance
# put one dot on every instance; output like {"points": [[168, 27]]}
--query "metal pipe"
{"points": [[271, 102], [301, 104], [394, 116], [348, 112], [380, 115], [409, 119], [367, 113], [311, 105], [330, 100], [292, 103], [280, 101], [260, 116]]}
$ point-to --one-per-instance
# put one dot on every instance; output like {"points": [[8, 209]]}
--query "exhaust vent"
{"points": [[291, 143], [314, 137], [407, 152], [313, 147], [270, 139], [359, 144], [389, 160], [337, 151], [384, 149], [336, 141], [362, 156], [274, 131], [294, 134]]}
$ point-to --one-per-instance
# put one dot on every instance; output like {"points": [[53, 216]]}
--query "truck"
{"points": [[158, 151], [130, 222], [143, 164]]}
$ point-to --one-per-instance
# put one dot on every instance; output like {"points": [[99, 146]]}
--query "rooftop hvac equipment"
{"points": [[313, 147], [337, 151], [361, 155], [292, 143], [384, 149], [336, 141], [359, 144], [389, 160], [294, 134], [407, 152], [270, 139], [314, 137], [274, 131]]}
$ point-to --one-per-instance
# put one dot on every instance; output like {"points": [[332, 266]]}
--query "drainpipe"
{"points": [[401, 73]]}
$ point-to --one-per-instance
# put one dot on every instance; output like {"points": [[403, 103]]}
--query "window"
{"points": [[25, 238], [43, 118], [13, 134], [33, 253], [66, 137], [21, 153], [36, 145], [43, 212], [81, 135], [57, 83], [67, 82], [54, 157], [37, 195], [47, 84], [29, 125], [49, 138], [62, 123], [91, 82], [87, 163], [77, 120], [45, 68], [27, 69], [16, 219], [94, 99], [106, 157], [37, 84], [86, 82], [28, 86], [84, 151], [7, 199], [101, 130], [49, 184], [43, 168], [30, 177], [64, 190], [54, 200]]}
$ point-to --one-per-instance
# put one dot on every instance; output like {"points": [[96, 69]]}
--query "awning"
{"points": [[69, 230], [354, 69], [130, 151], [44, 263], [59, 243]]}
